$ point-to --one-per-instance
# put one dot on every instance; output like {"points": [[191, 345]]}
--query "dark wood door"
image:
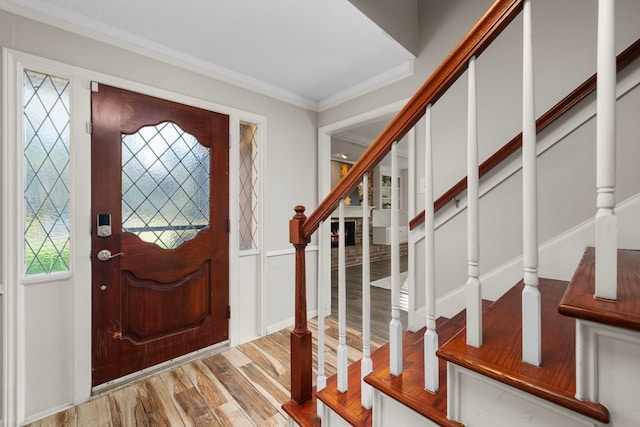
{"points": [[160, 178]]}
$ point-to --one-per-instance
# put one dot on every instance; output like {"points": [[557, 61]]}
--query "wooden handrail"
{"points": [[501, 13], [625, 58], [492, 23]]}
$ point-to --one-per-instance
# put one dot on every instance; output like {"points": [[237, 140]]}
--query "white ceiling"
{"points": [[315, 53]]}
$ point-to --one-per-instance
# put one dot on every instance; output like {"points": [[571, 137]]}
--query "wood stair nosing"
{"points": [[500, 356], [408, 388], [579, 301], [348, 404], [304, 415]]}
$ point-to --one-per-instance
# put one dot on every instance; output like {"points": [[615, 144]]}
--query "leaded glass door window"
{"points": [[165, 185]]}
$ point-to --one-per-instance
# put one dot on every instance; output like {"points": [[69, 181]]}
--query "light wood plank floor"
{"points": [[242, 386], [380, 298]]}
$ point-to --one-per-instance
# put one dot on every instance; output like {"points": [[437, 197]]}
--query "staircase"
{"points": [[491, 386], [547, 352]]}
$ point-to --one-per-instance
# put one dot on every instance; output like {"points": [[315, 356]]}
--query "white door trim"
{"points": [[324, 187]]}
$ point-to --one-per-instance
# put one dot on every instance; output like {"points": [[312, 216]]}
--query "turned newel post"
{"points": [[301, 381]]}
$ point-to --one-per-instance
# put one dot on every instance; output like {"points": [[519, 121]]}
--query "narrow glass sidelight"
{"points": [[248, 192], [46, 136], [165, 185]]}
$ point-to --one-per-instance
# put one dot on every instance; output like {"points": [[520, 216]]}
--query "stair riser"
{"points": [[478, 401], [388, 412], [331, 419], [610, 372]]}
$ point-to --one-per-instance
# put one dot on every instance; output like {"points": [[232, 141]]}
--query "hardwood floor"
{"points": [[242, 386], [380, 298]]}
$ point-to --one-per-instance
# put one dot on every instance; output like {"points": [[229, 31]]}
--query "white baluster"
{"points": [[366, 365], [606, 220], [473, 288], [395, 326], [431, 369], [531, 317], [321, 379], [411, 189], [343, 377]]}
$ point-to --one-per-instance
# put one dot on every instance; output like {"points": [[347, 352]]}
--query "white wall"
{"points": [[1, 355], [280, 295], [563, 38], [566, 191], [399, 19], [49, 336], [565, 56]]}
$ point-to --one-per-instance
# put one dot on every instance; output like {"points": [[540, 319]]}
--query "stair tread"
{"points": [[500, 356], [348, 404], [408, 388], [579, 301], [303, 415]]}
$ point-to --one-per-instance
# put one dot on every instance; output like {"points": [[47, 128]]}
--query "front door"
{"points": [[160, 243]]}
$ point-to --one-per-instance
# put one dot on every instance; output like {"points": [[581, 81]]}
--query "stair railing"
{"points": [[625, 58], [605, 138], [490, 26], [499, 15], [606, 81]]}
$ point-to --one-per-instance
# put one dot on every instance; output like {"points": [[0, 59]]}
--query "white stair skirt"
{"points": [[481, 401], [609, 354], [389, 412]]}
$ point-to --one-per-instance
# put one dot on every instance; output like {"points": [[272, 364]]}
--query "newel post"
{"points": [[301, 351]]}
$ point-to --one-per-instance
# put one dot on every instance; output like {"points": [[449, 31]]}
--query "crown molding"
{"points": [[45, 13]]}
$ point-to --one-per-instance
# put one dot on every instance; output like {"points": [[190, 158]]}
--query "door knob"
{"points": [[105, 255]]}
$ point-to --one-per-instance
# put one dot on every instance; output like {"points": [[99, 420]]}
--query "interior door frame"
{"points": [[11, 292], [324, 187]]}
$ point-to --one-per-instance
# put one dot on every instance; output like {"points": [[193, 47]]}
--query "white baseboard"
{"points": [[288, 322], [45, 414], [417, 319], [451, 304]]}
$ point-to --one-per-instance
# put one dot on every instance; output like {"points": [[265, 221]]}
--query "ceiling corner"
{"points": [[399, 19]]}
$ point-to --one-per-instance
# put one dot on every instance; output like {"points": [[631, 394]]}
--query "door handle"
{"points": [[105, 255]]}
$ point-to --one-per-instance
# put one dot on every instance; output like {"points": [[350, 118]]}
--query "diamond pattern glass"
{"points": [[248, 186], [46, 173], [165, 185]]}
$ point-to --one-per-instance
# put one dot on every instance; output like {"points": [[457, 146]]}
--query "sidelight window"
{"points": [[46, 123], [248, 186]]}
